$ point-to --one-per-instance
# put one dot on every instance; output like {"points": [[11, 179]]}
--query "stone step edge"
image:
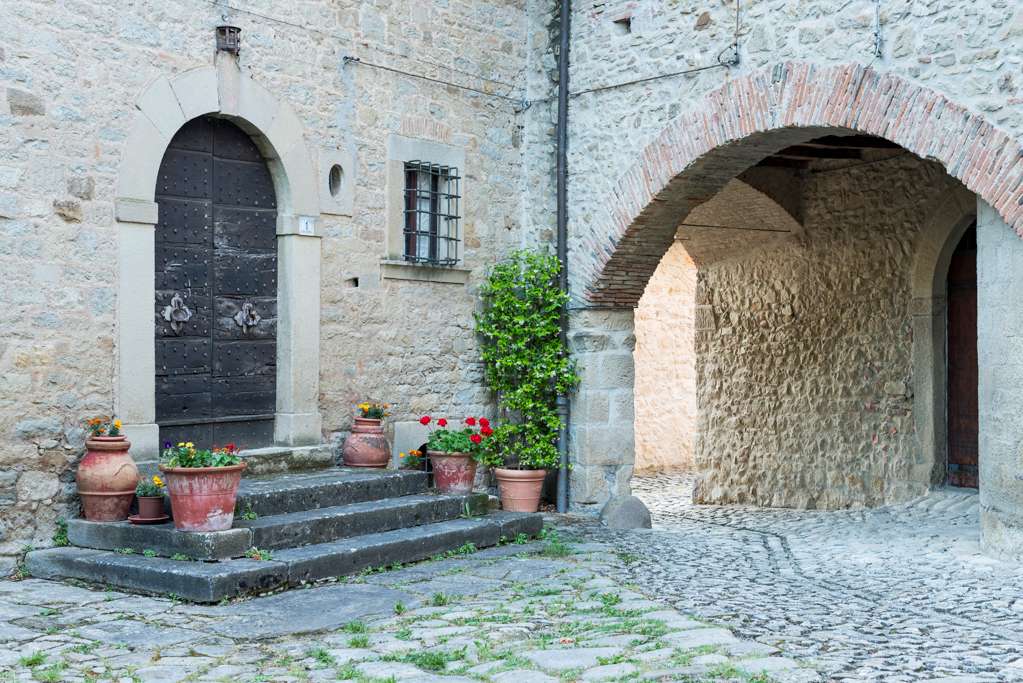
{"points": [[164, 541], [214, 581], [325, 488]]}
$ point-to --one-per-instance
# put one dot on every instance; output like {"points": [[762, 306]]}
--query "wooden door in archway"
{"points": [[216, 289], [962, 363]]}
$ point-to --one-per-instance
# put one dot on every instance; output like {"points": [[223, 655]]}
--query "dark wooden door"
{"points": [[962, 363], [216, 289]]}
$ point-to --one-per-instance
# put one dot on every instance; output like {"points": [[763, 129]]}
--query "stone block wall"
{"points": [[666, 367], [601, 436], [70, 75]]}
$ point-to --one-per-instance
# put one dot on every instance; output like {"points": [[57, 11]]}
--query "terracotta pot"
{"points": [[106, 479], [203, 498], [150, 507], [366, 446], [520, 489], [452, 472]]}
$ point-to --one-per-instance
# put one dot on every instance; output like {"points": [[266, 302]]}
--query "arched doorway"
{"points": [[216, 288], [962, 363]]}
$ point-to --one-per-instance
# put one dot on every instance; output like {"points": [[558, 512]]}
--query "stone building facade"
{"points": [[819, 358], [91, 94], [814, 374]]}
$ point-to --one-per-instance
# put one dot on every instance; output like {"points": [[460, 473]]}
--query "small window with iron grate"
{"points": [[431, 213]]}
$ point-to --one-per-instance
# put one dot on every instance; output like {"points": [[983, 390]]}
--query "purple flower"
{"points": [[166, 444]]}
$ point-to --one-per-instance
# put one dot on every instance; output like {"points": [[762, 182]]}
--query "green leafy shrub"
{"points": [[526, 363]]}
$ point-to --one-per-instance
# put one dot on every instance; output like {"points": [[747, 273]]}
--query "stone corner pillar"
{"points": [[1000, 379], [298, 421], [601, 439]]}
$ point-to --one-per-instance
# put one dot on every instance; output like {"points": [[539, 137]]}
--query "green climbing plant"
{"points": [[525, 362]]}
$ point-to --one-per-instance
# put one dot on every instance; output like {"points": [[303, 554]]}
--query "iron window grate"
{"points": [[432, 220]]}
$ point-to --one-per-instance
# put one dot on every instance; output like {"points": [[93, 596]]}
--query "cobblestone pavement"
{"points": [[895, 594], [529, 613]]}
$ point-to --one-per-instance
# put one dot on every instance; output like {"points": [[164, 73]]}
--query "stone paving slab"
{"points": [[530, 613]]}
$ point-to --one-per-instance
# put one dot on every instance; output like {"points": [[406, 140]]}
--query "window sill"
{"points": [[394, 269]]}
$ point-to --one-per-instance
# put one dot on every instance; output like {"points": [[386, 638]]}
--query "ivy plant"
{"points": [[525, 361]]}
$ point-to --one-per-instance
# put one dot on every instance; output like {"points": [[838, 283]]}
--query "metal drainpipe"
{"points": [[562, 187]]}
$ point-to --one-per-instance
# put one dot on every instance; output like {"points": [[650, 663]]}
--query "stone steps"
{"points": [[290, 529], [282, 494], [214, 581], [317, 524], [331, 523]]}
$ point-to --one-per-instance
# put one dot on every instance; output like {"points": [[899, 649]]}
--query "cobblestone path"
{"points": [[531, 613], [893, 594]]}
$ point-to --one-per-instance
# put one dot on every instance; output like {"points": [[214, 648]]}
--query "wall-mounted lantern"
{"points": [[229, 39]]}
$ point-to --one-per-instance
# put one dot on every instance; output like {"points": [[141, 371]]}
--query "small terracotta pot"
{"points": [[150, 507], [520, 489], [366, 446], [203, 498], [106, 479], [452, 472]]}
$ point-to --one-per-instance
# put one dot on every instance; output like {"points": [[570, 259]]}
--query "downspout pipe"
{"points": [[562, 231]]}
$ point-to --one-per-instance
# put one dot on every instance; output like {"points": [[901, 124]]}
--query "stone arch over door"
{"points": [[162, 109], [943, 229], [722, 135]]}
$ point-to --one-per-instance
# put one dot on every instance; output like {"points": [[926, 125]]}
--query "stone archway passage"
{"points": [[216, 288]]}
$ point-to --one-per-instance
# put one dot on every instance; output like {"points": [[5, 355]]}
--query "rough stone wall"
{"points": [[804, 351], [665, 360], [69, 78]]}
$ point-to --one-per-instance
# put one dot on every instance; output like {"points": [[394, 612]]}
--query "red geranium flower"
{"points": [[442, 422], [424, 420], [475, 438], [486, 431], [484, 422], [471, 421]]}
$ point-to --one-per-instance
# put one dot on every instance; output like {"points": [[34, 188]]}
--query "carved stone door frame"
{"points": [[165, 106]]}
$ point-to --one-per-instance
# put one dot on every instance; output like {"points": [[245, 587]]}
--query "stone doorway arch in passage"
{"points": [[163, 108]]}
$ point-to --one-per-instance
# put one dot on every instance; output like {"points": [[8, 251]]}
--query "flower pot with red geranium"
{"points": [[107, 474], [453, 452], [367, 445], [203, 485]]}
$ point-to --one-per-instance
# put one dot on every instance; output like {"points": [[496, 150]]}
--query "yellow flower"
{"points": [[157, 480], [401, 455], [117, 423], [181, 443], [189, 445]]}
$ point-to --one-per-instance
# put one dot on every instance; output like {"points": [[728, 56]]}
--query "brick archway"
{"points": [[758, 114]]}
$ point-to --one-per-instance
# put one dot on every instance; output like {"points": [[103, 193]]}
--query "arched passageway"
{"points": [[819, 355]]}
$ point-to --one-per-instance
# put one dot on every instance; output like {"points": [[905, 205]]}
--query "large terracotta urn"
{"points": [[520, 489], [366, 446], [453, 472], [203, 498], [106, 479]]}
